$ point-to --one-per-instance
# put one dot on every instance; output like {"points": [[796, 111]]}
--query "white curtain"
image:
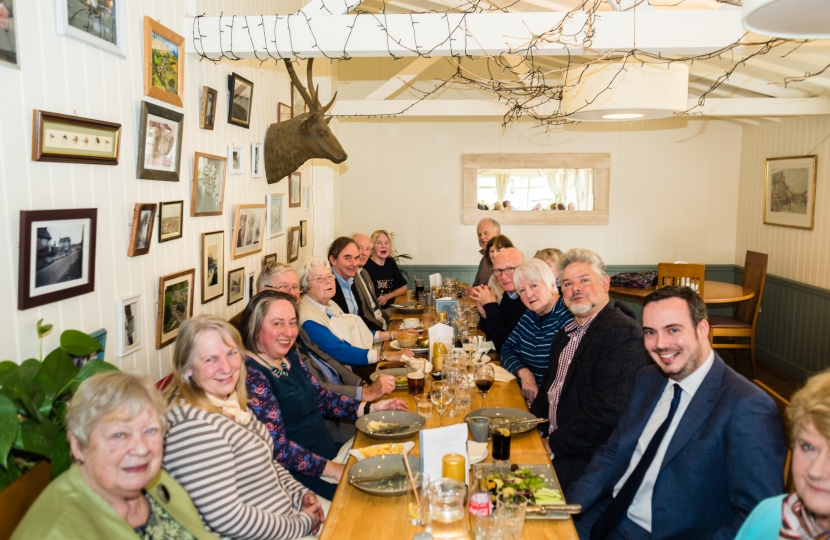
{"points": [[502, 179], [556, 184]]}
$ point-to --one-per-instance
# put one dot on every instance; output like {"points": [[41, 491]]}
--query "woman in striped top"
{"points": [[526, 353], [220, 452]]}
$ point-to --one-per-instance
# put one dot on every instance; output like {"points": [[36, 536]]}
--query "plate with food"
{"points": [[399, 373], [421, 346], [520, 421], [384, 475], [410, 308], [381, 450], [536, 482], [390, 425]]}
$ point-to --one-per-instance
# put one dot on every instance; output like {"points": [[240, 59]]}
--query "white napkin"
{"points": [[440, 332], [435, 280], [477, 451], [342, 458], [502, 375], [482, 350], [406, 358]]}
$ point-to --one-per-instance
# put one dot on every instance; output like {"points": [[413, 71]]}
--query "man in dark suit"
{"points": [[593, 362], [698, 447]]}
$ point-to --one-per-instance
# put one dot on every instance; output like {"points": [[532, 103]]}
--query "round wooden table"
{"points": [[714, 292]]}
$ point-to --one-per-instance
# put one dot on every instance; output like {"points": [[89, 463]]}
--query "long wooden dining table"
{"points": [[358, 515]]}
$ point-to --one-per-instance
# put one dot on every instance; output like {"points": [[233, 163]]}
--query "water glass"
{"points": [[424, 405], [416, 508], [510, 516], [462, 397], [447, 515]]}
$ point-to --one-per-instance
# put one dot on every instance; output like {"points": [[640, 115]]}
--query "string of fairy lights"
{"points": [[534, 86]]}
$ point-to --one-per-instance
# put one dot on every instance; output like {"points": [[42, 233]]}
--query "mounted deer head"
{"points": [[290, 144]]}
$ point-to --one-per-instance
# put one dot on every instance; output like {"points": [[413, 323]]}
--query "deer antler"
{"points": [[311, 88], [296, 80]]}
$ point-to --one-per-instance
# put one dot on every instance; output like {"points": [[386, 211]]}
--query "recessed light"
{"points": [[622, 116]]}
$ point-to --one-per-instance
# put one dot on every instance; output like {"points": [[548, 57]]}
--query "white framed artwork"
{"points": [[96, 22], [276, 215], [236, 160], [129, 325]]}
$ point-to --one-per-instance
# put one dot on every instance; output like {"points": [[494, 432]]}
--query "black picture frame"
{"points": [[236, 110], [149, 173], [162, 237], [36, 250]]}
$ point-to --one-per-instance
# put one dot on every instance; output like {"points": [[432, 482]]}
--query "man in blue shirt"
{"points": [[344, 259]]}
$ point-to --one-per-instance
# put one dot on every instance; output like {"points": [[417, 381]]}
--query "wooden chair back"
{"points": [[782, 405], [755, 278], [682, 275]]}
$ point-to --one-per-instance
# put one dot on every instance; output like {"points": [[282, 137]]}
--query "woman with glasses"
{"points": [[526, 353], [337, 334]]}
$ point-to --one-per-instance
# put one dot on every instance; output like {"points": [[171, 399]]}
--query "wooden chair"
{"points": [[681, 275], [744, 323], [782, 404]]}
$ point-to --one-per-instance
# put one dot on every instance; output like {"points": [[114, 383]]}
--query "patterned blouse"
{"points": [[266, 408], [161, 526]]}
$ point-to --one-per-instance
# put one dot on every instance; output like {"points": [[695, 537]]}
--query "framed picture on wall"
{"points": [[8, 46], [241, 100], [171, 220], [159, 143], [790, 192], [163, 72], [207, 108], [257, 160], [69, 139], [303, 233], [175, 305], [248, 230], [268, 260], [98, 23], [250, 285], [276, 215], [306, 197], [141, 231], [293, 244], [100, 336], [129, 323], [57, 255], [295, 188], [236, 285], [283, 112], [208, 190], [213, 265], [236, 160]]}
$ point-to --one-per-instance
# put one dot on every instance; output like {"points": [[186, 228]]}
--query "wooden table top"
{"points": [[358, 515], [714, 292]]}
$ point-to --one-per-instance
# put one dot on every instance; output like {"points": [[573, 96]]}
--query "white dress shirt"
{"points": [[640, 510]]}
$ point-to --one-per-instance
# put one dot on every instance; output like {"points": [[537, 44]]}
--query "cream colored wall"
{"points": [[61, 75], [674, 187], [796, 254]]}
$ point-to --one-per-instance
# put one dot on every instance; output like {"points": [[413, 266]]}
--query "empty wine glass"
{"points": [[484, 376], [452, 377], [441, 398], [470, 342]]}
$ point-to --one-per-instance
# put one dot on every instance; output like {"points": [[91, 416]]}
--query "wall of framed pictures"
{"points": [[68, 74]]}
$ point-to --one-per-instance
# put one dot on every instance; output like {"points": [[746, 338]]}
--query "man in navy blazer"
{"points": [[698, 447]]}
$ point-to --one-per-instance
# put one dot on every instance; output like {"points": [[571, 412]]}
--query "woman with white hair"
{"points": [[526, 353], [339, 335]]}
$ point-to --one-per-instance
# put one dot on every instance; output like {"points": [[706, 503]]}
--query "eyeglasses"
{"points": [[499, 271], [285, 288], [322, 279]]}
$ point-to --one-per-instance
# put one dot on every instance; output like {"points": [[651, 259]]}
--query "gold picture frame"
{"points": [[163, 63], [141, 231], [175, 305], [790, 192], [207, 108], [248, 230]]}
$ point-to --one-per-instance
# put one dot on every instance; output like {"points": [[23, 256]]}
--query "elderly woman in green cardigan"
{"points": [[115, 489]]}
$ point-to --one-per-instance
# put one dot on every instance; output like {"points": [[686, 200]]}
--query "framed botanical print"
{"points": [[141, 232], [248, 230], [213, 265], [129, 325], [100, 23], [293, 244], [241, 100], [236, 160], [171, 220], [8, 46], [57, 255], [159, 143], [276, 215], [295, 190], [175, 305], [257, 160], [207, 108], [208, 191], [69, 139], [163, 70], [236, 285], [790, 192]]}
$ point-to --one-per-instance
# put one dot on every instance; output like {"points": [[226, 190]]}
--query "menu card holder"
{"points": [[438, 442], [439, 332], [435, 280]]}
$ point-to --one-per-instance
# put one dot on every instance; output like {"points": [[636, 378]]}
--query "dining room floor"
{"points": [[776, 379]]}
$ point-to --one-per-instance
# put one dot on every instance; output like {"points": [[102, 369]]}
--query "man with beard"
{"points": [[698, 447], [593, 362]]}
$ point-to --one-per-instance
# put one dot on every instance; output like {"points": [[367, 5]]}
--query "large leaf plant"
{"points": [[33, 399]]}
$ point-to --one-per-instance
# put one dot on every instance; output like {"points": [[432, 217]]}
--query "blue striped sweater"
{"points": [[529, 344]]}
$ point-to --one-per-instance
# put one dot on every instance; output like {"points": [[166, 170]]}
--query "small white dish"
{"points": [[476, 451]]}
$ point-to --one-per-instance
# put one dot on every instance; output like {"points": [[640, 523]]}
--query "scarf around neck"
{"points": [[798, 523], [230, 408]]}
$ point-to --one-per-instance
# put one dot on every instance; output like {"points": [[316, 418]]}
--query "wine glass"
{"points": [[441, 399], [452, 378], [484, 376], [470, 343]]}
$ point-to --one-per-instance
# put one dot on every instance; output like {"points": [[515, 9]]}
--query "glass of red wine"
{"points": [[484, 375]]}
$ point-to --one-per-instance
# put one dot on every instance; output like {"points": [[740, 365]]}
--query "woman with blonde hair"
{"points": [[386, 276], [219, 451], [550, 256], [805, 513]]}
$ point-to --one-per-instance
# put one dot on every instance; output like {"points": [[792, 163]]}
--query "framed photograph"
{"points": [[208, 192], [241, 98], [248, 229], [283, 112], [57, 255], [276, 215], [69, 139], [101, 337], [295, 187], [8, 45], [306, 197], [303, 233], [141, 231], [207, 108], [257, 160], [98, 23], [790, 192], [163, 73], [236, 285], [213, 265], [159, 143], [236, 160], [171, 220], [298, 104], [175, 305], [128, 324], [268, 260], [250, 285], [293, 244]]}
